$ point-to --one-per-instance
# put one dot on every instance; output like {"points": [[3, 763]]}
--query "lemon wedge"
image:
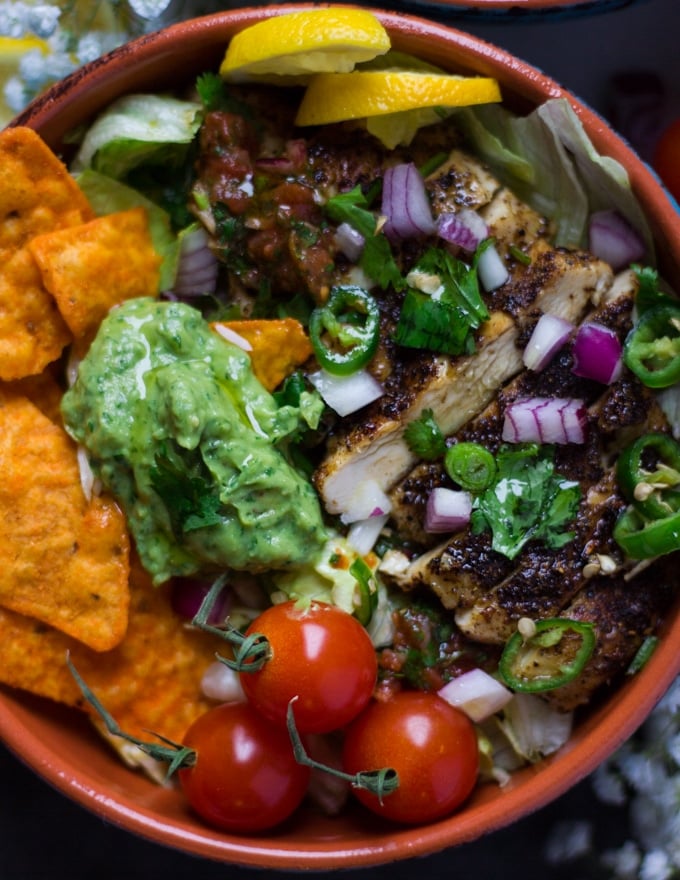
{"points": [[297, 44], [11, 51], [335, 97]]}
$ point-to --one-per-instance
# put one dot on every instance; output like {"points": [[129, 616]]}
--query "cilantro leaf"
{"points": [[424, 437], [649, 294], [189, 497], [376, 259], [526, 502], [442, 321]]}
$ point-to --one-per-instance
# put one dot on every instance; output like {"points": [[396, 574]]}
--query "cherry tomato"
{"points": [[245, 777], [321, 655], [431, 745], [666, 158]]}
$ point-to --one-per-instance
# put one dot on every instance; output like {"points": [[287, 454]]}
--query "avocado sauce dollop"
{"points": [[191, 445]]}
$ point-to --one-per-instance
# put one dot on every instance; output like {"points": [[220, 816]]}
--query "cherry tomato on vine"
{"points": [[319, 654], [244, 777], [431, 745], [666, 160]]}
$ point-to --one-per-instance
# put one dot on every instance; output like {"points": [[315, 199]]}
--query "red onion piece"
{"points": [[222, 684], [545, 420], [476, 693], [465, 228], [447, 510], [232, 336], [597, 353], [613, 239], [197, 267], [550, 334], [349, 241], [187, 594], [346, 394], [363, 533], [405, 203], [491, 269], [364, 498], [292, 160]]}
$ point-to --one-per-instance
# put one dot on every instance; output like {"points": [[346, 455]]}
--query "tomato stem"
{"points": [[173, 754], [379, 782], [250, 652]]}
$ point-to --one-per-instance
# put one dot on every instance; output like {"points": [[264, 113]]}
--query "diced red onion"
{"points": [[187, 594], [477, 694], [405, 203], [232, 336], [222, 684], [597, 353], [350, 241], [545, 420], [197, 268], [465, 228], [346, 394], [550, 334], [491, 269], [363, 533], [447, 510], [613, 239], [365, 499]]}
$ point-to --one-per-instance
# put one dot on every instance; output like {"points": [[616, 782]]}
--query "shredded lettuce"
{"points": [[547, 159], [136, 130]]}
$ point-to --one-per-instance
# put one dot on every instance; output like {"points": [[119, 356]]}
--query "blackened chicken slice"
{"points": [[623, 612], [371, 447]]}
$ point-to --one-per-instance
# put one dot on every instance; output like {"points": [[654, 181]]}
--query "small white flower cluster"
{"points": [[645, 772], [66, 48]]}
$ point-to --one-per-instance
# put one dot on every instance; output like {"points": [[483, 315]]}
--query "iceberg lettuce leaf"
{"points": [[139, 129]]}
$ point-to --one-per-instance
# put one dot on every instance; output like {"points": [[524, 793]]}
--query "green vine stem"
{"points": [[251, 652], [173, 754], [379, 782]]}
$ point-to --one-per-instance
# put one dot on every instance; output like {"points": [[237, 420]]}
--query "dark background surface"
{"points": [[43, 835]]}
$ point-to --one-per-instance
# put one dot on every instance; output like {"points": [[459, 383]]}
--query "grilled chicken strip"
{"points": [[623, 612], [372, 448]]}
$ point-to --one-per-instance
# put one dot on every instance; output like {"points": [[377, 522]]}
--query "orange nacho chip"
{"points": [[278, 346], [92, 267], [37, 195], [151, 681], [43, 390], [65, 561]]}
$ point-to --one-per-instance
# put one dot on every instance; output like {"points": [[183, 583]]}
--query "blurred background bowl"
{"points": [[508, 11], [60, 745]]}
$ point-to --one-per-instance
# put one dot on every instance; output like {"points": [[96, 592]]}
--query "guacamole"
{"points": [[192, 446]]}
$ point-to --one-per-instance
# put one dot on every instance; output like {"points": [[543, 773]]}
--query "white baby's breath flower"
{"points": [[609, 785], [42, 19], [624, 863], [15, 94], [568, 841], [655, 866]]}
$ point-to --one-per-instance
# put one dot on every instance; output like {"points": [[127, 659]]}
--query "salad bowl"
{"points": [[61, 746]]}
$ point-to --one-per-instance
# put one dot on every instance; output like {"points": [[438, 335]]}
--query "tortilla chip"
{"points": [[278, 346], [37, 195], [151, 681], [44, 391], [65, 561], [88, 269]]}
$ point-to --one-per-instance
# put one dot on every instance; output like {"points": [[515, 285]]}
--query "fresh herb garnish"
{"points": [[376, 259], [649, 294], [184, 488], [527, 501], [424, 437], [442, 321]]}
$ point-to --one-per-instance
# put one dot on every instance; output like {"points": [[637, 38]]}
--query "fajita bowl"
{"points": [[60, 745]]}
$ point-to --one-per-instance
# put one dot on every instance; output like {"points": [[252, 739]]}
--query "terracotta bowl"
{"points": [[59, 745]]}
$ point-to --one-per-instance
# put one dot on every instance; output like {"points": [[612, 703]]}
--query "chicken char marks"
{"points": [[588, 578]]}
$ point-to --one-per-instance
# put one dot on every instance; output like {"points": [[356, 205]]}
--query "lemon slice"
{"points": [[335, 97], [11, 51], [302, 43]]}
